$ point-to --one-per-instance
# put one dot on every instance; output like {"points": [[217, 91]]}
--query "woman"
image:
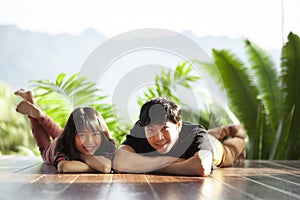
{"points": [[84, 145]]}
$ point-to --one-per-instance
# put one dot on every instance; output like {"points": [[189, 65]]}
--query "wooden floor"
{"points": [[28, 178]]}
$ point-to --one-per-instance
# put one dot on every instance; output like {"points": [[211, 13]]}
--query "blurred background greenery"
{"points": [[266, 101]]}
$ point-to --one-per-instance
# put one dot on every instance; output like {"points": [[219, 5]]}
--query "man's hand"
{"points": [[199, 164]]}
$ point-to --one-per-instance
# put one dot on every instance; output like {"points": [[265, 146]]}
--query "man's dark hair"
{"points": [[158, 111]]}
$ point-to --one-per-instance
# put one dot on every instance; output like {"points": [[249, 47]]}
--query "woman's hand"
{"points": [[98, 163]]}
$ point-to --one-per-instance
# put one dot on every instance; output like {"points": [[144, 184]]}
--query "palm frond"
{"points": [[266, 80], [290, 73], [242, 94], [59, 98]]}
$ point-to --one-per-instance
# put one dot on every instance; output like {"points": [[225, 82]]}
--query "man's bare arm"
{"points": [[127, 160], [199, 164]]}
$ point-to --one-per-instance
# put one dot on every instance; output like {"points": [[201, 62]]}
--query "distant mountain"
{"points": [[26, 55]]}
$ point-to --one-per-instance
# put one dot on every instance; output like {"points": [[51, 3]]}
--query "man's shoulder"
{"points": [[190, 125], [136, 131], [189, 128]]}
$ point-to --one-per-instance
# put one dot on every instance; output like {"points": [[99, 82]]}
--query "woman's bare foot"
{"points": [[26, 95], [29, 109]]}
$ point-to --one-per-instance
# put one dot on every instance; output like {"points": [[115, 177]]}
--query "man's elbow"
{"points": [[206, 172], [201, 171], [119, 164]]}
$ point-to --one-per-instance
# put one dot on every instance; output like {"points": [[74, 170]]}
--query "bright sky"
{"points": [[258, 20]]}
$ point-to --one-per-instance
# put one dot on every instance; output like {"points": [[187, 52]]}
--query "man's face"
{"points": [[162, 137]]}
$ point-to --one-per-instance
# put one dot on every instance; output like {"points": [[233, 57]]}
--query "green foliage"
{"points": [[266, 102], [15, 132], [243, 95], [166, 84], [59, 98], [290, 93]]}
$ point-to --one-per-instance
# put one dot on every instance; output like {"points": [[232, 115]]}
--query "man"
{"points": [[161, 142]]}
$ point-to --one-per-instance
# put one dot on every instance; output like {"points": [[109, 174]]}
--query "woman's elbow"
{"points": [[62, 167]]}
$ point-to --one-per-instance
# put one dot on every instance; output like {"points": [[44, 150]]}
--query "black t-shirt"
{"points": [[192, 138]]}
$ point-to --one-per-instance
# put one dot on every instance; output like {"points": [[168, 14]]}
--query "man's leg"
{"points": [[218, 150], [234, 146], [231, 130]]}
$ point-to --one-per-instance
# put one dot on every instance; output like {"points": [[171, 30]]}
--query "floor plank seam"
{"points": [[72, 181], [109, 186], [37, 178], [234, 188], [281, 165], [274, 188], [17, 171], [152, 189], [298, 184]]}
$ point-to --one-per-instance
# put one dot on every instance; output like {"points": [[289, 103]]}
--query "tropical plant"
{"points": [[15, 132], [59, 98], [166, 85], [267, 102]]}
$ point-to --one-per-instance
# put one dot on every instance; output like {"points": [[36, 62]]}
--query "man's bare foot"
{"points": [[29, 109], [26, 95], [241, 158], [219, 132], [237, 131]]}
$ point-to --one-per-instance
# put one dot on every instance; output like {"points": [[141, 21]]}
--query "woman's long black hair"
{"points": [[85, 118]]}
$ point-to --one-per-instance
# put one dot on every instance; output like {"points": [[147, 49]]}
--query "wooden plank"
{"points": [[292, 178], [175, 187], [29, 178], [13, 164], [263, 180], [254, 189], [11, 181], [130, 186], [88, 186], [47, 186], [292, 164], [280, 185], [10, 186], [190, 187]]}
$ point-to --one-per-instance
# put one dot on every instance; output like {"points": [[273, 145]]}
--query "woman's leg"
{"points": [[40, 134], [41, 137], [51, 127]]}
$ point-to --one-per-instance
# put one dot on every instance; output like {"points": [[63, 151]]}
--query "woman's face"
{"points": [[87, 142]]}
